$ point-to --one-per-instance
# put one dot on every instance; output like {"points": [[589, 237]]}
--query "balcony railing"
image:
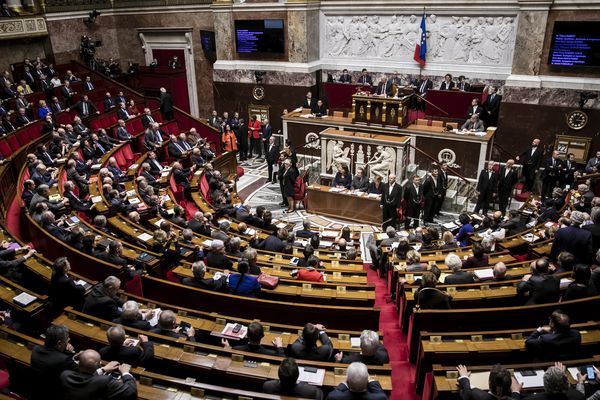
{"points": [[22, 26], [54, 6]]}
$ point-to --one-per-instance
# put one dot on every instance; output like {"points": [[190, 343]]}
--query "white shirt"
{"points": [[533, 149], [391, 188]]}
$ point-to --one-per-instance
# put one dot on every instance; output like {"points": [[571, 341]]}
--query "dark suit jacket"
{"points": [[571, 394], [311, 105], [474, 110], [412, 199], [208, 284], [146, 120], [181, 176], [218, 261], [320, 110], [132, 355], [447, 86], [100, 305], [79, 107], [459, 277], [541, 288], [303, 390], [174, 151], [595, 231], [468, 393], [492, 105], [267, 131], [387, 90], [429, 189], [345, 78], [464, 86], [64, 292], [554, 345], [123, 114], [46, 366], [270, 243], [576, 241], [365, 80], [81, 386], [552, 171], [166, 103], [428, 85], [534, 159], [506, 182], [342, 392], [486, 184], [109, 103], [391, 200], [321, 353], [273, 154], [259, 349], [379, 358]]}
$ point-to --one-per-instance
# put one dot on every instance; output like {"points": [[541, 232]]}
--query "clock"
{"points": [[258, 92], [577, 119]]}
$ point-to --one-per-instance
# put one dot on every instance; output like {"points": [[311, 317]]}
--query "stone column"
{"points": [[531, 28], [223, 22]]}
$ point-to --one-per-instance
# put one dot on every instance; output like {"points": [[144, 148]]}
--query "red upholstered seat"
{"points": [[4, 379], [239, 171], [13, 142], [121, 162], [23, 136], [95, 125], [112, 119], [134, 286], [136, 126], [176, 189], [157, 117], [522, 197], [5, 148]]}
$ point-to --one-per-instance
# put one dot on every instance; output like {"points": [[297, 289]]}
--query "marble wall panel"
{"points": [[270, 78], [297, 31], [529, 42], [16, 50], [223, 24]]}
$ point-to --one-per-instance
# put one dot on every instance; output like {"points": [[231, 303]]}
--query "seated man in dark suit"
{"points": [[199, 224], [63, 289], [501, 385], [167, 326], [358, 385], [305, 347], [556, 341], [478, 259], [49, 360], [273, 242], [123, 351], [287, 384], [539, 287], [372, 352], [457, 276], [254, 336], [88, 383], [103, 302], [319, 108], [199, 270], [500, 273], [305, 232], [133, 317], [217, 258]]}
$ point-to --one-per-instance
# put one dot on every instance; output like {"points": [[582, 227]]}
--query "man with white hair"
{"points": [[103, 302], [392, 237], [134, 317], [217, 258], [454, 263], [198, 280], [121, 350], [372, 352], [358, 385]]}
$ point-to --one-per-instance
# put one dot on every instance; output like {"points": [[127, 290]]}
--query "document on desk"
{"points": [[355, 342], [479, 380], [487, 273], [24, 299], [154, 320], [336, 190], [96, 199], [157, 223], [535, 381], [144, 236], [312, 378]]}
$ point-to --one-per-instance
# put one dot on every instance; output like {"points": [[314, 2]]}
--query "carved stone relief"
{"points": [[450, 39]]}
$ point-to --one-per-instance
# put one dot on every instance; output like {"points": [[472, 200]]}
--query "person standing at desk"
{"points": [[308, 102], [492, 107], [422, 87], [391, 196], [384, 88], [475, 108]]}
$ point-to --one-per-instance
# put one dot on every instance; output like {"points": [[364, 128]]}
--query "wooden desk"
{"points": [[320, 200], [385, 111]]}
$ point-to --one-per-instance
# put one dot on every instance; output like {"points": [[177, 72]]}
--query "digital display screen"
{"points": [[259, 36], [575, 44], [207, 38]]}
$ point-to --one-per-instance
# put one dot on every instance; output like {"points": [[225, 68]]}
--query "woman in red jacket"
{"points": [[254, 136], [229, 140]]}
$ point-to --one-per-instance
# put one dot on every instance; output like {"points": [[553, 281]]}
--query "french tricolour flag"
{"points": [[421, 46]]}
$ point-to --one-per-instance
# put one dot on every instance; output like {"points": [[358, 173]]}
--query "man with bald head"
{"points": [[358, 385], [90, 381], [391, 196], [507, 178]]}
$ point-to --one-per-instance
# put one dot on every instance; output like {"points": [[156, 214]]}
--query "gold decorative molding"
{"points": [[22, 27]]}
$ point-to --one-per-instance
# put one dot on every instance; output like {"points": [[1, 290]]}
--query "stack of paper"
{"points": [[312, 378], [535, 381], [154, 320], [228, 331], [487, 273], [144, 236], [24, 299]]}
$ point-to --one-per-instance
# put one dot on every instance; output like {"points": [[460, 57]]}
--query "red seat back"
{"points": [[121, 162], [127, 153], [23, 136], [5, 148], [13, 142], [137, 126]]}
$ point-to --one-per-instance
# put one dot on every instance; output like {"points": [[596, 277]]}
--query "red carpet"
{"points": [[403, 387]]}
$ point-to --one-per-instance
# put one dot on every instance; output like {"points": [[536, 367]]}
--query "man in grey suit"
{"points": [[473, 124]]}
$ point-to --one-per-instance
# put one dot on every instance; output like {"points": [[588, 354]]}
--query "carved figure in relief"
{"points": [[381, 163], [490, 51], [451, 39], [338, 155], [463, 40]]}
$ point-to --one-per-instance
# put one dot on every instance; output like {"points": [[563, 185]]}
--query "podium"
{"points": [[383, 111]]}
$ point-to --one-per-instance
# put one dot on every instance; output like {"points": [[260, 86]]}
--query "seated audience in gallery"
{"points": [[345, 77], [462, 84], [447, 84]]}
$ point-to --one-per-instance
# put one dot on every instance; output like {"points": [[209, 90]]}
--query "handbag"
{"points": [[268, 281]]}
